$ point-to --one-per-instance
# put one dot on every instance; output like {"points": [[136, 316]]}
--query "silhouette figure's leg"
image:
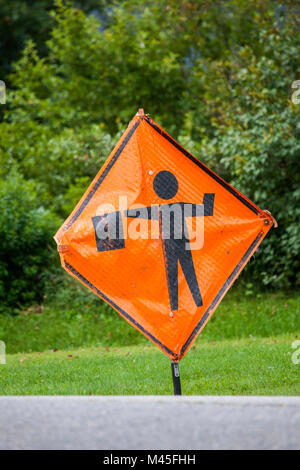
{"points": [[187, 264], [171, 266]]}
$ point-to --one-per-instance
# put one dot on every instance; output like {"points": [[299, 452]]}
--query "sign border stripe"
{"points": [[101, 177], [119, 309], [221, 293]]}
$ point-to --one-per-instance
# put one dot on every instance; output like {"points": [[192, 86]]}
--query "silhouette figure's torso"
{"points": [[173, 233]]}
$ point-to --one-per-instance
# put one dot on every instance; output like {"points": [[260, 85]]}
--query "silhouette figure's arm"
{"points": [[152, 211], [143, 213], [208, 203]]}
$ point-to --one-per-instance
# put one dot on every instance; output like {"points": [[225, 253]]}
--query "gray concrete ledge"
{"points": [[149, 422]]}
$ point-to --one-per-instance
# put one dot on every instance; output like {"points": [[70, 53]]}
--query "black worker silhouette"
{"points": [[173, 234]]}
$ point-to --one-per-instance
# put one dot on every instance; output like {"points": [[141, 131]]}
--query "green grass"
{"points": [[74, 318], [76, 344], [239, 367]]}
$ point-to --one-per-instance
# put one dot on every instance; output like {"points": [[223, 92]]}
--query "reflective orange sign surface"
{"points": [[160, 237]]}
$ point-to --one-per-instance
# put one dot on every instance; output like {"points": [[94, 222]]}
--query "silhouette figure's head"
{"points": [[165, 184]]}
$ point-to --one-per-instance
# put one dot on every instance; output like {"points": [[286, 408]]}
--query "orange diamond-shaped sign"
{"points": [[160, 237]]}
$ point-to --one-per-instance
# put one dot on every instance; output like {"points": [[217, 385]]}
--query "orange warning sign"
{"points": [[160, 237]]}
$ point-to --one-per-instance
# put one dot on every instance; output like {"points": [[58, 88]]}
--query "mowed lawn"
{"points": [[75, 344], [257, 366]]}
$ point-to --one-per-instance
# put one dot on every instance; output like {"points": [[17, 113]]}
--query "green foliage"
{"points": [[255, 145], [217, 75], [54, 158], [26, 230], [21, 21]]}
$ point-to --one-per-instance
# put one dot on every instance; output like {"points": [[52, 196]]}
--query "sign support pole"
{"points": [[176, 378]]}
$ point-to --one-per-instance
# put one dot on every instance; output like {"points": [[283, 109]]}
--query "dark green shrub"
{"points": [[26, 231]]}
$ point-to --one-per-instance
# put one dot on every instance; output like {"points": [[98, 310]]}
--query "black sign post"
{"points": [[176, 378]]}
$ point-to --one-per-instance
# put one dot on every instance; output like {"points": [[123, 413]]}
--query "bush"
{"points": [[26, 231], [55, 158], [255, 145]]}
